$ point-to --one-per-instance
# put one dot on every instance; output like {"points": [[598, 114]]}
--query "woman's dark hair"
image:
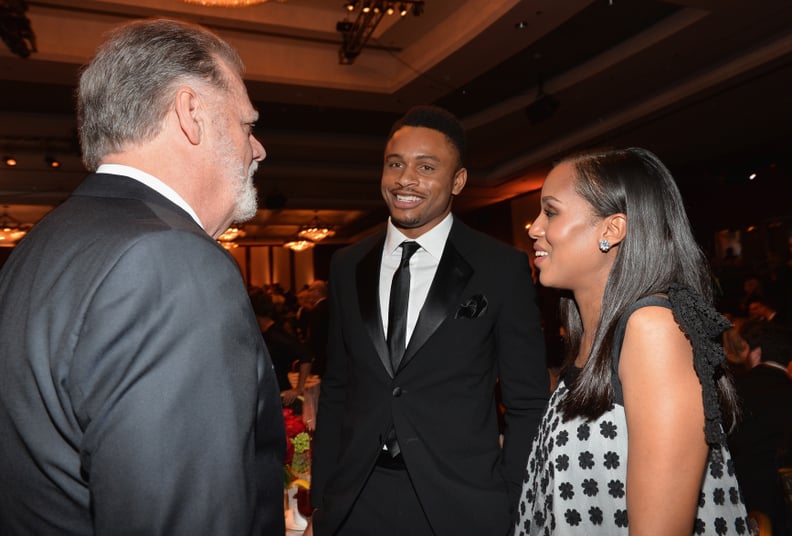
{"points": [[658, 251]]}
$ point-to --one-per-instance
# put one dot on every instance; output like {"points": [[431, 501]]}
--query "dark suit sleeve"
{"points": [[522, 371], [166, 375]]}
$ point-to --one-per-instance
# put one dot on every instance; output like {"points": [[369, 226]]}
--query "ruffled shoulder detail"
{"points": [[703, 326]]}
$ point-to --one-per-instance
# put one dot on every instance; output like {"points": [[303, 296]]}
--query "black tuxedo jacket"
{"points": [[479, 324], [136, 393]]}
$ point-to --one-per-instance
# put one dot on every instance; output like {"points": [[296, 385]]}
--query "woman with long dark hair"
{"points": [[637, 423]]}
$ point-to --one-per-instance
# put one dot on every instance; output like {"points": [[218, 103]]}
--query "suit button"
{"points": [[397, 391]]}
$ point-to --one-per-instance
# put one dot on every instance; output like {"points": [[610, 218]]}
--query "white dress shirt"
{"points": [[152, 182], [423, 266]]}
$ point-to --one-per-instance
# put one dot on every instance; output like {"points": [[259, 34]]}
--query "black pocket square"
{"points": [[474, 307]]}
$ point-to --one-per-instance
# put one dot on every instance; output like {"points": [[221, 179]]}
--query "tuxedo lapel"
{"points": [[368, 271], [443, 299]]}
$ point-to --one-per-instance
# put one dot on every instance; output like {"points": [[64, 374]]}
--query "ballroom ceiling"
{"points": [[703, 83]]}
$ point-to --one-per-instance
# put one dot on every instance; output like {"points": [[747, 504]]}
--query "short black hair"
{"points": [[775, 340], [261, 302], [436, 118]]}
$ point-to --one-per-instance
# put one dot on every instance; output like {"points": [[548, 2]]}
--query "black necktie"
{"points": [[397, 309]]}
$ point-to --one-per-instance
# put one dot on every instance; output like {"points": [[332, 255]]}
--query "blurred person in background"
{"points": [[762, 443]]}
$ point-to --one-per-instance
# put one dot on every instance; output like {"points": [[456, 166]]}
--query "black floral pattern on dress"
{"points": [[719, 496], [595, 515], [616, 488], [583, 432], [566, 490], [608, 429], [716, 469], [586, 460], [562, 438], [562, 462], [590, 487], [611, 460], [620, 518], [572, 517]]}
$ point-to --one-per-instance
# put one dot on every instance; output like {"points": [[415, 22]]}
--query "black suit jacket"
{"points": [[479, 323], [762, 442], [136, 393]]}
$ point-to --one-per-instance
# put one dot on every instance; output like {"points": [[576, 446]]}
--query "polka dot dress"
{"points": [[576, 477]]}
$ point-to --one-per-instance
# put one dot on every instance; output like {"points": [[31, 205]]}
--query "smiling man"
{"points": [[426, 318]]}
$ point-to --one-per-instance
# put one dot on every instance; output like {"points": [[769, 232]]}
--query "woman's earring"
{"points": [[604, 245]]}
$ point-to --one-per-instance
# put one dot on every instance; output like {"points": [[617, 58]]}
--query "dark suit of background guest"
{"points": [[107, 347], [762, 442], [318, 325]]}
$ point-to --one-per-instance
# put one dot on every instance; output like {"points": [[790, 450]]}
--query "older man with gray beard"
{"points": [[136, 394]]}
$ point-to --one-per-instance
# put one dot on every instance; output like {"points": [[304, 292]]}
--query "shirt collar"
{"points": [[152, 182], [432, 241]]}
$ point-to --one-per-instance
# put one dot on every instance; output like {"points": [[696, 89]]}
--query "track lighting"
{"points": [[356, 34]]}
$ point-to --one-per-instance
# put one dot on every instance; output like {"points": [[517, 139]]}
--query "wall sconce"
{"points": [[9, 161], [52, 162]]}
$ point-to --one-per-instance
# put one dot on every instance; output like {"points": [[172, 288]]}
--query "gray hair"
{"points": [[125, 91]]}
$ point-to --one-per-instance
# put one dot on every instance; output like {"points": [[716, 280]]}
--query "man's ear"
{"points": [[754, 356], [188, 107], [460, 179], [615, 228]]}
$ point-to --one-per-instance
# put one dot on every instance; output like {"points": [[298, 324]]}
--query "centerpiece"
{"points": [[296, 471]]}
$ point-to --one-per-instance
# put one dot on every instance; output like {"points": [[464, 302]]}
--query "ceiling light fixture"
{"points": [[356, 34], [299, 245], [316, 231], [11, 229], [226, 3], [229, 237]]}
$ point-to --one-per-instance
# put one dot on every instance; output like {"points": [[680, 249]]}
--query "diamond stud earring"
{"points": [[604, 245]]}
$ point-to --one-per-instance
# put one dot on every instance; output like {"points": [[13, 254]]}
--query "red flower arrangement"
{"points": [[298, 448]]}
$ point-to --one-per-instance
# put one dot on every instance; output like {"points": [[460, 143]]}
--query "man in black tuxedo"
{"points": [[762, 442], [136, 393], [318, 324], [407, 438]]}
